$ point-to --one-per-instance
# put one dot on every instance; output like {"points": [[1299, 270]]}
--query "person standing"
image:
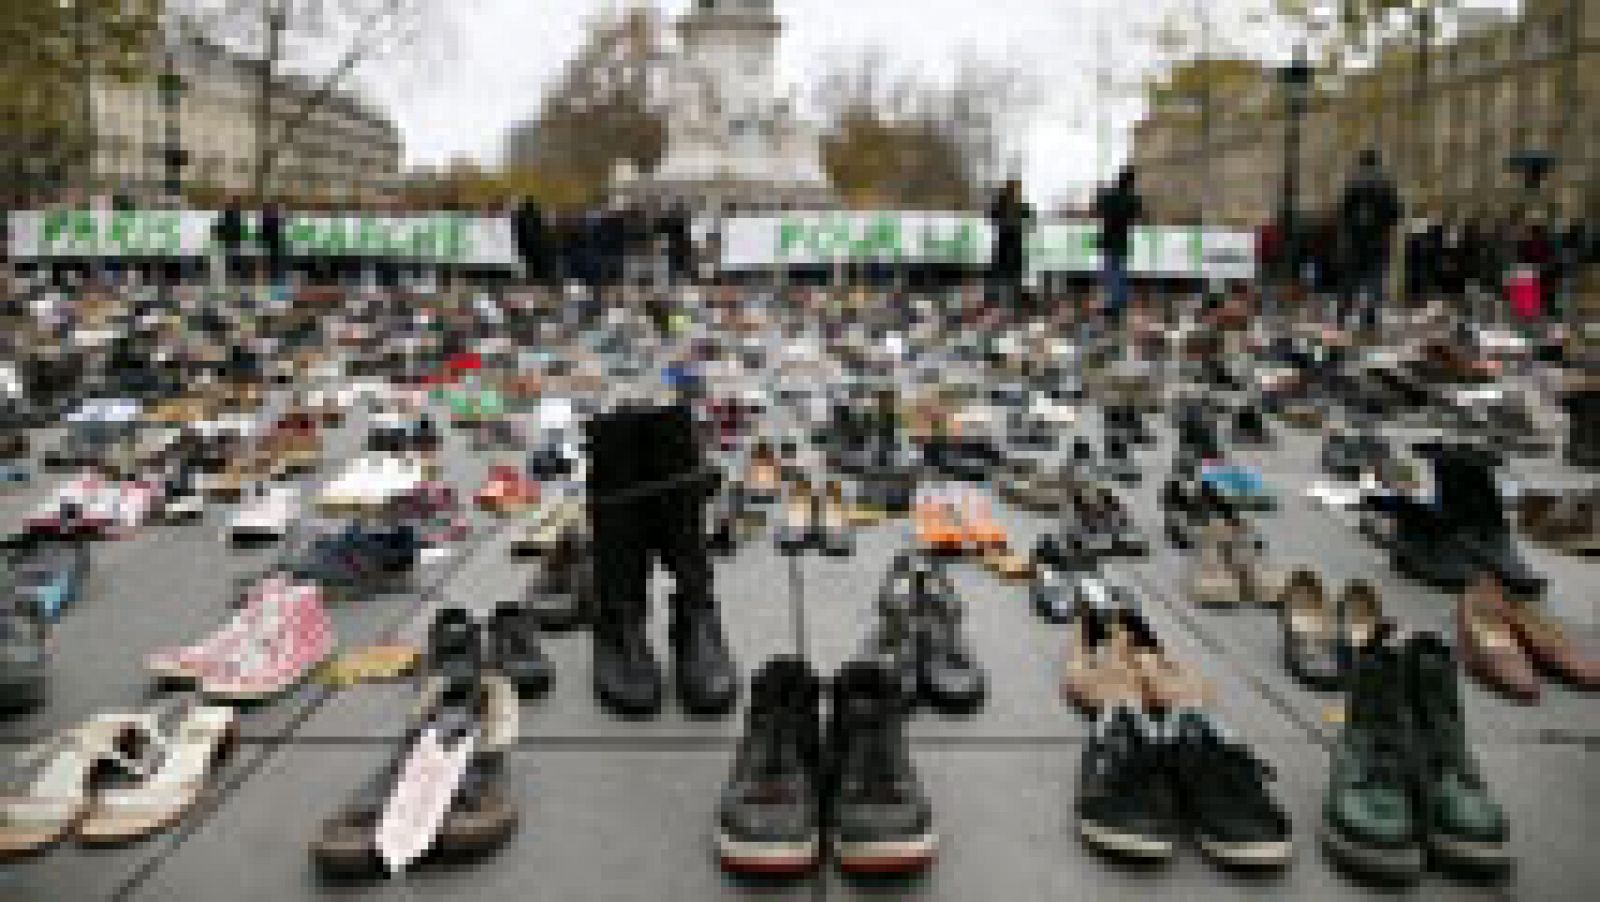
{"points": [[675, 229], [533, 241], [228, 232], [1118, 207], [271, 239], [1368, 214], [1011, 218]]}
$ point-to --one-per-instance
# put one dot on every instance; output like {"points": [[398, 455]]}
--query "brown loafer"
{"points": [[1550, 647], [1489, 647]]}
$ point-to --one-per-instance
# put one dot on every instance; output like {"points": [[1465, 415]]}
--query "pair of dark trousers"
{"points": [[647, 494]]}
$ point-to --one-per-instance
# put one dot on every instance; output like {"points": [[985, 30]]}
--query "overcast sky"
{"points": [[503, 52]]}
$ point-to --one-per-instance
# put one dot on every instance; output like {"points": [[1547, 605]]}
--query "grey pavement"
{"points": [[614, 810]]}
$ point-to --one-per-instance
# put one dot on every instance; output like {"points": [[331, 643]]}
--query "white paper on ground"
{"points": [[421, 798]]}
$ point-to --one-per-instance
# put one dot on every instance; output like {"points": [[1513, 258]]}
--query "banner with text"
{"points": [[820, 239], [427, 238]]}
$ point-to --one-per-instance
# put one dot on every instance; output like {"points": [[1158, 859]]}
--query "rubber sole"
{"points": [[773, 859], [1404, 865], [1253, 855], [1123, 844], [903, 856]]}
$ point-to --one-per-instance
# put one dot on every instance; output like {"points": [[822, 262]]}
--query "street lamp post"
{"points": [[1296, 80], [170, 90]]}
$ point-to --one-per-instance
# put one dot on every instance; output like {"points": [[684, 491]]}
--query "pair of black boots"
{"points": [[647, 492], [796, 796]]}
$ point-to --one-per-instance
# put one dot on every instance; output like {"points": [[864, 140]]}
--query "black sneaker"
{"points": [[880, 820], [768, 821], [514, 649], [455, 645], [1224, 797], [1125, 801]]}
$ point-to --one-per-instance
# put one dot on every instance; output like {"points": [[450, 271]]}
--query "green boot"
{"points": [[1370, 823], [1465, 826]]}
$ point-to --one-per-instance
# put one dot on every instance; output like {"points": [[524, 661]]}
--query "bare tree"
{"points": [[313, 46]]}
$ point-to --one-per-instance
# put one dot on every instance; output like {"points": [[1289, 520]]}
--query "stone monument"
{"points": [[734, 144]]}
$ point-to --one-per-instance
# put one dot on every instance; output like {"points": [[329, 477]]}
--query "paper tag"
{"points": [[421, 798]]}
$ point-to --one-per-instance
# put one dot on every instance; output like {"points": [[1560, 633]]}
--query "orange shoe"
{"points": [[936, 529], [978, 523]]}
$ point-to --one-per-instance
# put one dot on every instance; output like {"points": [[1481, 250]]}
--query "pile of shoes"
{"points": [[799, 794]]}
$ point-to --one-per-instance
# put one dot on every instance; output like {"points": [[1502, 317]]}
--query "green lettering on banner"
{"points": [[790, 233], [336, 237], [883, 235], [455, 239], [302, 236], [1150, 241], [373, 236], [957, 246], [164, 232], [831, 237], [1197, 250], [75, 229], [122, 232], [424, 239]]}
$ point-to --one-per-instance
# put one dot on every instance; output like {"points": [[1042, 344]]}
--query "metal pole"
{"points": [[171, 94], [1295, 81]]}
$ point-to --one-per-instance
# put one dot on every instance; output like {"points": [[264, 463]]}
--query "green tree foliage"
{"points": [[54, 51]]}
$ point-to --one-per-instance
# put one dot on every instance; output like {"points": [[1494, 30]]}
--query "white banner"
{"points": [[817, 239], [813, 239], [430, 238]]}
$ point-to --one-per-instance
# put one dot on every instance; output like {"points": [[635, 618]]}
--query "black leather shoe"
{"points": [[627, 678], [702, 668], [455, 645], [514, 649]]}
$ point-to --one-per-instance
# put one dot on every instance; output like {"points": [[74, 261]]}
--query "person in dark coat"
{"points": [[1368, 214], [271, 238], [228, 232], [1011, 218], [533, 241], [676, 230], [1118, 207]]}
